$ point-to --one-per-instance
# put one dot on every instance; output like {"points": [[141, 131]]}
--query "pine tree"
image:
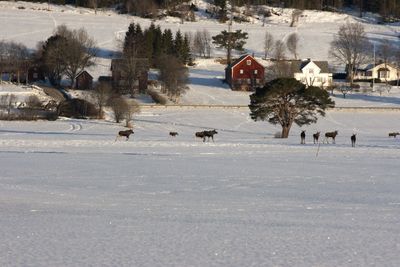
{"points": [[178, 45], [157, 44], [286, 101], [230, 41], [167, 42]]}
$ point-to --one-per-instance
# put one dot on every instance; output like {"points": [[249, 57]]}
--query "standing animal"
{"points": [[316, 137], [201, 135], [210, 134], [126, 133], [173, 134], [303, 137], [331, 135], [353, 140], [394, 134]]}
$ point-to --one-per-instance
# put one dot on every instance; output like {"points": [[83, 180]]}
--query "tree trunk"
{"points": [[285, 131]]}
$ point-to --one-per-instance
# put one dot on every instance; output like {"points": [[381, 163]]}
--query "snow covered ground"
{"points": [[71, 196]]}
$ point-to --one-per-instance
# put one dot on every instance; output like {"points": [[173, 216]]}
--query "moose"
{"points": [[353, 140], [303, 137], [204, 134], [125, 133], [331, 135], [394, 134], [173, 134], [316, 137]]}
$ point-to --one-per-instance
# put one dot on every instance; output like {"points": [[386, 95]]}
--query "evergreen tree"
{"points": [[178, 45], [167, 42], [286, 101], [157, 44], [230, 41]]}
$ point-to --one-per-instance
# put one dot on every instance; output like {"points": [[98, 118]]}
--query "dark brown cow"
{"points": [[173, 134], [353, 140], [201, 135], [210, 134], [394, 134], [125, 133], [303, 137], [331, 135], [316, 137]]}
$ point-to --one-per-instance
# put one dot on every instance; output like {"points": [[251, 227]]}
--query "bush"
{"points": [[77, 108], [157, 97], [119, 106]]}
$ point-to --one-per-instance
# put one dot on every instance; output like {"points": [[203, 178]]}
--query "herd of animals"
{"points": [[210, 134]]}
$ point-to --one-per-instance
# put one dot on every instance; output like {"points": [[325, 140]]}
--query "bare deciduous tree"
{"points": [[80, 53], [120, 107], [174, 77], [201, 44], [102, 94], [279, 50], [133, 108], [15, 59], [268, 44], [351, 47], [8, 102], [292, 44], [295, 17]]}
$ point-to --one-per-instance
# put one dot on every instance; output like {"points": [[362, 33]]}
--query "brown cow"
{"points": [[316, 137], [126, 133], [331, 135], [173, 134]]}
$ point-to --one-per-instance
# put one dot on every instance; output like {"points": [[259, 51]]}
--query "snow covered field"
{"points": [[71, 196]]}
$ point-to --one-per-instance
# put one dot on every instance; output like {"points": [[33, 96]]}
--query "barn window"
{"points": [[255, 71], [311, 71], [248, 62], [241, 71]]}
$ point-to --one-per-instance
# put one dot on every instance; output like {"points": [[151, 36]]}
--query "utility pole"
{"points": [[373, 78]]}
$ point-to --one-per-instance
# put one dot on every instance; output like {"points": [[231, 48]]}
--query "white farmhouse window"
{"points": [[241, 71], [311, 71], [248, 62]]}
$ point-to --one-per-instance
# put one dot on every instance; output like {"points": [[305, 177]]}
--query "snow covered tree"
{"points": [[286, 101]]}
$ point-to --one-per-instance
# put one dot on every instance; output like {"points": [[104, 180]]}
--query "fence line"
{"points": [[202, 106]]}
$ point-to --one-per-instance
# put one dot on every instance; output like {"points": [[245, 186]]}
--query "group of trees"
{"points": [[387, 8], [169, 53], [66, 52], [153, 43], [14, 58]]}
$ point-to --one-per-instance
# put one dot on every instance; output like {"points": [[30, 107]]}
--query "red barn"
{"points": [[245, 74]]}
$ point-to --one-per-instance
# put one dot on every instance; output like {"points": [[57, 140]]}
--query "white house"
{"points": [[312, 73], [382, 71]]}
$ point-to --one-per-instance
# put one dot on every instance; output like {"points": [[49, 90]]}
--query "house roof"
{"points": [[241, 58], [298, 65], [371, 66], [82, 72]]}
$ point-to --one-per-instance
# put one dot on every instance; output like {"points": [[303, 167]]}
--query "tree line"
{"points": [[388, 9]]}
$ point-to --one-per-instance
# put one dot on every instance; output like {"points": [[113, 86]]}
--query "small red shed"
{"points": [[83, 80], [245, 74]]}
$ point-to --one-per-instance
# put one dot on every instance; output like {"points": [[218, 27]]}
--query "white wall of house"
{"points": [[311, 75], [377, 73]]}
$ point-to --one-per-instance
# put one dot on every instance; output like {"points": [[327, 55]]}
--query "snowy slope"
{"points": [[316, 30]]}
